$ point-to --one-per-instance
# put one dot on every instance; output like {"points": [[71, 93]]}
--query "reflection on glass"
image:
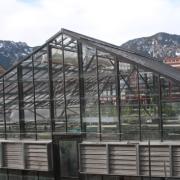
{"points": [[170, 109], [91, 115], [149, 97], [129, 102]]}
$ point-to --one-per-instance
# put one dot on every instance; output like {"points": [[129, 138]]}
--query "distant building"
{"points": [[174, 62]]}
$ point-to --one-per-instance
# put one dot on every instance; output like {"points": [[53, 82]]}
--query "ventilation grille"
{"points": [[159, 161], [26, 156], [93, 159], [176, 160], [122, 160], [36, 157], [130, 159], [13, 156]]}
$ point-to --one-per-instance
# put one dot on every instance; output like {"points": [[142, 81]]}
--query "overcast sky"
{"points": [[115, 21]]}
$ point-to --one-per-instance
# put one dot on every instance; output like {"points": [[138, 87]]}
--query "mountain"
{"points": [[160, 45], [11, 52]]}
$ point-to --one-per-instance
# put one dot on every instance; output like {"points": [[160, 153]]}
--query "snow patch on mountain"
{"points": [[160, 45], [12, 52]]}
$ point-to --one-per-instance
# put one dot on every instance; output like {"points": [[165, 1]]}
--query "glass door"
{"points": [[66, 158]]}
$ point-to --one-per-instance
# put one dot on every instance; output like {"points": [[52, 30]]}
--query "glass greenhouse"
{"points": [[76, 105]]}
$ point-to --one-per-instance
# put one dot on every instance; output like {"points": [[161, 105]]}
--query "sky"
{"points": [[114, 21]]}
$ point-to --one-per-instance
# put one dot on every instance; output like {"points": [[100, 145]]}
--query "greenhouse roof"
{"points": [[128, 56]]}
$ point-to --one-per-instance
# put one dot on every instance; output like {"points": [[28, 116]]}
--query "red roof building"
{"points": [[175, 62]]}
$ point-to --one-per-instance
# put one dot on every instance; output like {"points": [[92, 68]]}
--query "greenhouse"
{"points": [[81, 108]]}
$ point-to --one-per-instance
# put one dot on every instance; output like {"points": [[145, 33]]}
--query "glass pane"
{"points": [[149, 97], [58, 86], [91, 114], [170, 109], [107, 96], [41, 83], [129, 102], [12, 104], [72, 89], [28, 98]]}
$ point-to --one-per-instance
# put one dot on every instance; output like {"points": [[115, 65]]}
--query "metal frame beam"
{"points": [[51, 89], [21, 101], [160, 108], [81, 85], [118, 98], [98, 91]]}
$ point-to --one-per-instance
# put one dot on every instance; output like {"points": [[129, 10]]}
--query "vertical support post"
{"points": [[81, 85], [1, 155], [64, 84], [55, 146], [49, 158], [23, 156], [4, 111], [160, 108], [171, 160], [56, 159], [78, 141], [107, 158], [118, 97], [137, 160], [21, 101], [79, 156], [149, 147], [34, 96], [139, 104], [99, 103], [51, 94]]}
